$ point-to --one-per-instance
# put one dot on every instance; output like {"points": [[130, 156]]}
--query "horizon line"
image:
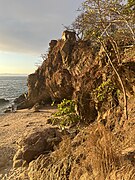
{"points": [[14, 74]]}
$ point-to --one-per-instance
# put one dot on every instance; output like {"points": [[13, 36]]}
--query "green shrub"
{"points": [[66, 107], [66, 114], [104, 91]]}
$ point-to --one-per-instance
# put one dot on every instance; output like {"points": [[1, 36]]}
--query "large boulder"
{"points": [[32, 144]]}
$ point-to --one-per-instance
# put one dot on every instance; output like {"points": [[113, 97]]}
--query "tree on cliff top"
{"points": [[112, 15], [112, 21]]}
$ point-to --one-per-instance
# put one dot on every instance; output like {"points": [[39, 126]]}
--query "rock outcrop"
{"points": [[35, 143], [74, 70], [71, 35], [3, 101]]}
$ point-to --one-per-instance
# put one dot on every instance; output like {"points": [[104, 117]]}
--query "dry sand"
{"points": [[13, 126]]}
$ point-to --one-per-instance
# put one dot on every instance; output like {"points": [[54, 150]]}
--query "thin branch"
{"points": [[120, 80], [105, 29], [124, 20], [113, 42]]}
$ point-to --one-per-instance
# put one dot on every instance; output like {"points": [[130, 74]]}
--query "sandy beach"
{"points": [[13, 126]]}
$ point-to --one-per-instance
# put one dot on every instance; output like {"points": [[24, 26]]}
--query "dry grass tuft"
{"points": [[96, 154]]}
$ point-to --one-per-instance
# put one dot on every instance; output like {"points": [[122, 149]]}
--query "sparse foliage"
{"points": [[44, 56], [103, 91], [104, 21], [98, 15], [66, 114]]}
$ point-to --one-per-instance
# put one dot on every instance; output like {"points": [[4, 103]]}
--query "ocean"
{"points": [[11, 87]]}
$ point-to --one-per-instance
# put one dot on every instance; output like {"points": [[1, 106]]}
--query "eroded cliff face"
{"points": [[63, 74], [105, 148], [74, 69]]}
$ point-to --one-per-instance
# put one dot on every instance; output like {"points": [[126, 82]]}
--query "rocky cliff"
{"points": [[78, 70]]}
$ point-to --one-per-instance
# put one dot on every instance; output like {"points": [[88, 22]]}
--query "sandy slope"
{"points": [[12, 127]]}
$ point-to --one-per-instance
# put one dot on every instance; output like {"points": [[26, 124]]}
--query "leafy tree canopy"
{"points": [[100, 16]]}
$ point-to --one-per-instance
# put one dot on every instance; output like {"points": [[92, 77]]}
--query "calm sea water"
{"points": [[10, 88]]}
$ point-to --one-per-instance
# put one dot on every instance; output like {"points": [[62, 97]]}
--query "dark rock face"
{"points": [[3, 101], [21, 101], [21, 98]]}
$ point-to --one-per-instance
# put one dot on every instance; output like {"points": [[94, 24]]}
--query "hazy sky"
{"points": [[26, 28]]}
